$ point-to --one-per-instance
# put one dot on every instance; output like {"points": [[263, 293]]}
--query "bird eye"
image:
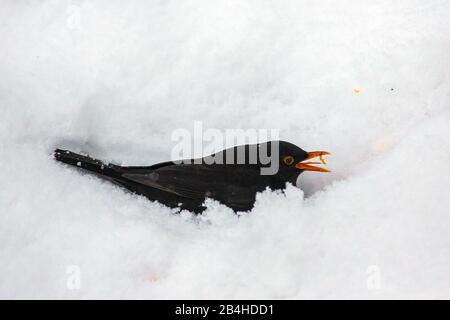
{"points": [[288, 160]]}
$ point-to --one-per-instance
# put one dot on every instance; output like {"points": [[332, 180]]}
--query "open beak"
{"points": [[308, 166]]}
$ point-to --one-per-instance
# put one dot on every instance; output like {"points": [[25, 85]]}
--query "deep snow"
{"points": [[116, 78]]}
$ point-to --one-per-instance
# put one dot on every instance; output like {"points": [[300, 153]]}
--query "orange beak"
{"points": [[307, 166]]}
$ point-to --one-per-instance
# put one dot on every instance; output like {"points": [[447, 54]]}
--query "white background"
{"points": [[116, 78]]}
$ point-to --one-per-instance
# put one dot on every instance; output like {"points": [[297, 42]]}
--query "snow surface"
{"points": [[116, 78]]}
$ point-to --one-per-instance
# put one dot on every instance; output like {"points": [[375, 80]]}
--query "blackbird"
{"points": [[232, 176]]}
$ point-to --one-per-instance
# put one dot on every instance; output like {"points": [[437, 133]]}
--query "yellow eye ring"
{"points": [[288, 160]]}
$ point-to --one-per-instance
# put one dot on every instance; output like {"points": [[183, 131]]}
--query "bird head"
{"points": [[295, 159]]}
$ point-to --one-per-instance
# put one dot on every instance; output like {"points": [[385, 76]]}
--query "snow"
{"points": [[367, 80]]}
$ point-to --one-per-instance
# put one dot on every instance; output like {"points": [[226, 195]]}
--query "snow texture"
{"points": [[367, 80]]}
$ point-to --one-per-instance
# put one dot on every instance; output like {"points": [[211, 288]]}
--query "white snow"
{"points": [[114, 79]]}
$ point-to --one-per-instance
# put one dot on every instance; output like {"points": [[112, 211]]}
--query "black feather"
{"points": [[187, 184]]}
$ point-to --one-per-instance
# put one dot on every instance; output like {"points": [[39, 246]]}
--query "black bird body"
{"points": [[224, 176]]}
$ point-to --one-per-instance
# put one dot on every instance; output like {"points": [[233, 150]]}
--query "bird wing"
{"points": [[220, 182], [163, 180]]}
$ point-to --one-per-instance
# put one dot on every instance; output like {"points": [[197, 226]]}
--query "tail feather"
{"points": [[87, 163]]}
